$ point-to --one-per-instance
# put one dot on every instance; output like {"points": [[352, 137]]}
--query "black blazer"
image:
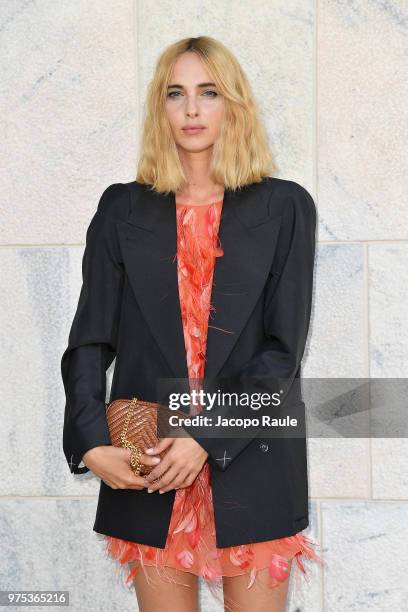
{"points": [[129, 309]]}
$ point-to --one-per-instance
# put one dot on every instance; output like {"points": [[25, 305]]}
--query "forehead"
{"points": [[189, 70]]}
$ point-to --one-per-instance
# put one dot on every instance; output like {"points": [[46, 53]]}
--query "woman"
{"points": [[203, 266]]}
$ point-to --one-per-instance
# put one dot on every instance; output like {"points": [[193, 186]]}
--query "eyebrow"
{"points": [[177, 86]]}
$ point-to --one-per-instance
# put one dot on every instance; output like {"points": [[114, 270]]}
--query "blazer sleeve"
{"points": [[93, 335], [287, 310]]}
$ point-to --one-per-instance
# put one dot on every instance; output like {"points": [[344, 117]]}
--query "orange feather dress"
{"points": [[191, 544]]}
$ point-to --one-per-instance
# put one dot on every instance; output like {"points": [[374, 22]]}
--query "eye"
{"points": [[174, 94]]}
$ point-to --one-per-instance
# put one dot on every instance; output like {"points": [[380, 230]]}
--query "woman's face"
{"points": [[193, 100]]}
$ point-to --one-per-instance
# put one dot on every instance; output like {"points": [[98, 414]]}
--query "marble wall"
{"points": [[329, 78]]}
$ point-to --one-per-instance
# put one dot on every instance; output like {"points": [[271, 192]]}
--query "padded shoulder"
{"points": [[115, 201]]}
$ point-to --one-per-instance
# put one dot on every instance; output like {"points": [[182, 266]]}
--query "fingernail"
{"points": [[149, 450], [150, 490], [156, 459], [161, 492]]}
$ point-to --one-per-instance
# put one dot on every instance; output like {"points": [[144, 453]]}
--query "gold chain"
{"points": [[136, 453]]}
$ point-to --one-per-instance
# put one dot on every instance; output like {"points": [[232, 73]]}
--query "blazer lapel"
{"points": [[149, 248]]}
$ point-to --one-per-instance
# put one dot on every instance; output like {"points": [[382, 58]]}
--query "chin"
{"points": [[197, 148]]}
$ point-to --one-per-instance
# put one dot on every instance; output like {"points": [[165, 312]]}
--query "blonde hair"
{"points": [[240, 155]]}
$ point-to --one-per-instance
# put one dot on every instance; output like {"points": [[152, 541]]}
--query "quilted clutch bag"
{"points": [[137, 424]]}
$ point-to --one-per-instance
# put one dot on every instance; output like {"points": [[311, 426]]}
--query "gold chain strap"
{"points": [[135, 462]]}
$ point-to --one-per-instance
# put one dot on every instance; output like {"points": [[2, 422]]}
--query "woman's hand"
{"points": [[180, 466], [112, 465]]}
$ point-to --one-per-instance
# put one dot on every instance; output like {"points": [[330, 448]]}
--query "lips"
{"points": [[193, 130]]}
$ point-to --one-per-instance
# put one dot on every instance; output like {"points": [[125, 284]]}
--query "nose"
{"points": [[191, 107]]}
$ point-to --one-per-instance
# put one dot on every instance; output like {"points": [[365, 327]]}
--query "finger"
{"points": [[158, 482], [160, 446], [167, 481], [131, 481], [126, 455], [150, 461], [185, 482], [130, 484], [138, 481], [144, 459], [177, 483], [157, 471]]}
